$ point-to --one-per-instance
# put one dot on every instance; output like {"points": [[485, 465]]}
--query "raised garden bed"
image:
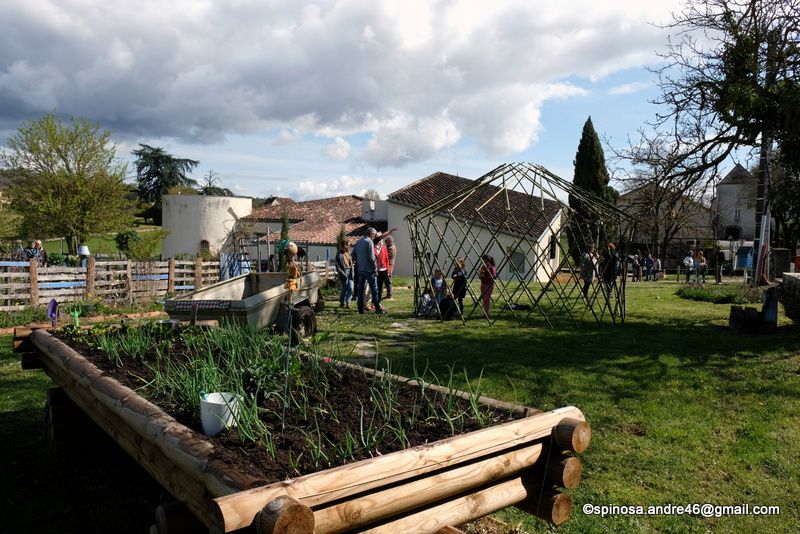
{"points": [[418, 477]]}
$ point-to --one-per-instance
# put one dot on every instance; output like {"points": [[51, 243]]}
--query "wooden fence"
{"points": [[25, 283]]}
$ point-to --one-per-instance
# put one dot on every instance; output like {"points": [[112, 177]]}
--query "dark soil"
{"points": [[347, 395]]}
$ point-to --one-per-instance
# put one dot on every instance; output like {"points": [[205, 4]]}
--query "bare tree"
{"points": [[372, 194], [663, 207], [729, 81]]}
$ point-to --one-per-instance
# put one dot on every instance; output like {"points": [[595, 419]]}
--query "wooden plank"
{"points": [[13, 307], [237, 511], [375, 506], [171, 274], [462, 509], [90, 276], [34, 282], [15, 275]]}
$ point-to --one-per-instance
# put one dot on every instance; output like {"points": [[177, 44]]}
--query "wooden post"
{"points": [[553, 506], [171, 276], [33, 278], [285, 515], [198, 272], [128, 281], [571, 434], [564, 471], [90, 271]]}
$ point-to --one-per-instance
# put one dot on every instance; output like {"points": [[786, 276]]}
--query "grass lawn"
{"points": [[681, 410]]}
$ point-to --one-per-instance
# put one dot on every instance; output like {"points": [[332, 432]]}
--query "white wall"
{"points": [[731, 197], [380, 213], [190, 219], [470, 247]]}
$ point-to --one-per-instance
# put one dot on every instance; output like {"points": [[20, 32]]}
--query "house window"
{"points": [[517, 262], [205, 247], [553, 244], [737, 215]]}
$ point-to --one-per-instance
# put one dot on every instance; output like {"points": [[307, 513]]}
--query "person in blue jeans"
{"points": [[364, 256], [344, 268]]}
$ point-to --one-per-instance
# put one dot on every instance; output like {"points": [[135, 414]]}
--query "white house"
{"points": [[525, 234], [315, 224], [735, 205]]}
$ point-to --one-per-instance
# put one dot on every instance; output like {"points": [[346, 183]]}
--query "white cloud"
{"points": [[628, 88], [404, 139], [344, 185], [415, 77], [338, 150]]}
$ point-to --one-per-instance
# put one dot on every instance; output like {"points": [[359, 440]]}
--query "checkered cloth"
{"points": [[188, 305]]}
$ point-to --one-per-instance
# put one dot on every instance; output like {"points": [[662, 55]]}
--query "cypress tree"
{"points": [[591, 175]]}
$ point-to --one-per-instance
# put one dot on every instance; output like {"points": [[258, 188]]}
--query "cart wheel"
{"points": [[319, 306], [304, 323]]}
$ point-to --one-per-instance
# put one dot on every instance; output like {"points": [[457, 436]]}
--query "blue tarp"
{"points": [[744, 258], [142, 277], [61, 285]]}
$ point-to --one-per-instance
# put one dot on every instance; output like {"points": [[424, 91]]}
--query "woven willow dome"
{"points": [[520, 215]]}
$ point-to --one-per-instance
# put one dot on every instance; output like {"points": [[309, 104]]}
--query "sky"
{"points": [[311, 100]]}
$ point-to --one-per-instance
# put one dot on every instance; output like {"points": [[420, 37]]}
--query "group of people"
{"points": [[696, 266], [645, 266], [368, 265], [605, 266], [448, 299], [34, 250]]}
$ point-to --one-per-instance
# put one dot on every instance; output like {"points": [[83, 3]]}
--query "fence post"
{"points": [[33, 276], [90, 277], [128, 281], [171, 276], [198, 272]]}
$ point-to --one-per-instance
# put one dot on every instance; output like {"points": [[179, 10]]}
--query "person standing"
{"points": [[719, 260], [688, 263], [487, 274], [391, 249], [364, 254], [656, 269], [344, 268], [648, 263], [702, 267], [588, 269], [610, 266], [459, 277], [382, 263]]}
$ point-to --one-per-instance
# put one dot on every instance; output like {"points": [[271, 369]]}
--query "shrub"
{"points": [[726, 294]]}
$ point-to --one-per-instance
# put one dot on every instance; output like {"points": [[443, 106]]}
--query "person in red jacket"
{"points": [[382, 264]]}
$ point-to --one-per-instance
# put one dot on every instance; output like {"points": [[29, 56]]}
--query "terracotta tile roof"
{"points": [[317, 222], [524, 216], [738, 175]]}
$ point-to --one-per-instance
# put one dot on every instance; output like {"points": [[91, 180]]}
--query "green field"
{"points": [[682, 412]]}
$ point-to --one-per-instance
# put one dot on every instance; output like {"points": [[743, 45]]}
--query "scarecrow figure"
{"points": [[292, 269]]}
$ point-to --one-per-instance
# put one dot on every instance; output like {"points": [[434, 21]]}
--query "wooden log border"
{"points": [[226, 500]]}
